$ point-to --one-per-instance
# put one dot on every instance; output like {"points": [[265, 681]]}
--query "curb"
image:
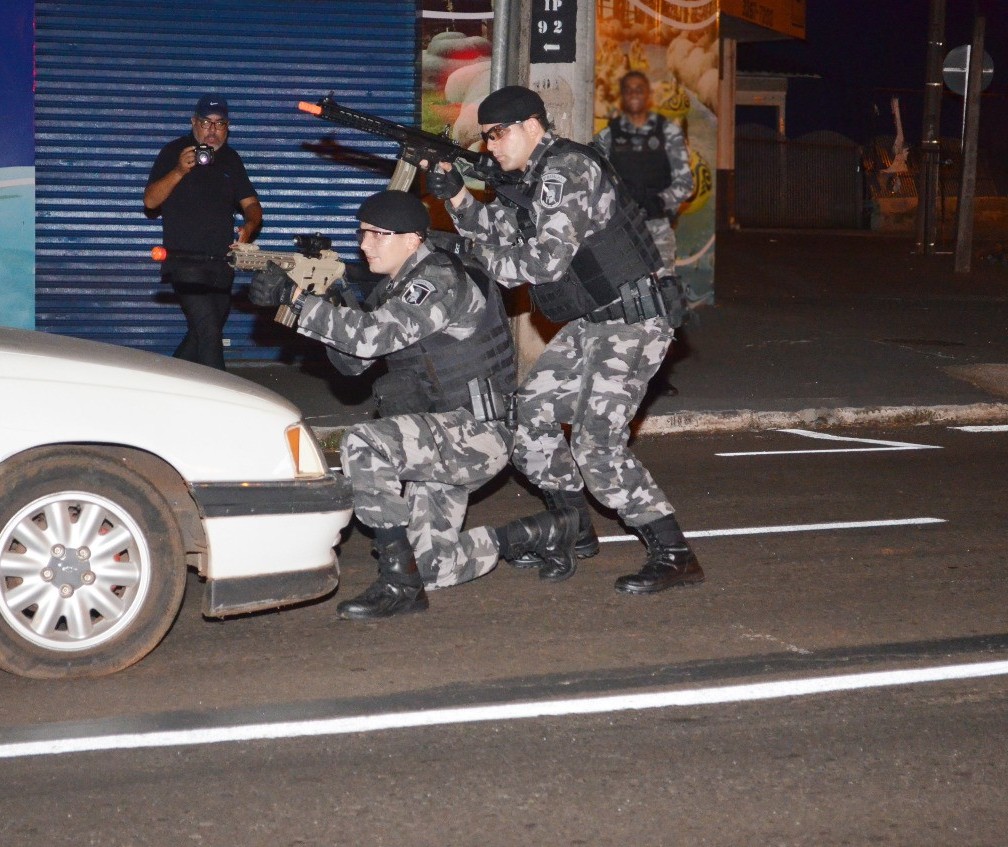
{"points": [[746, 419]]}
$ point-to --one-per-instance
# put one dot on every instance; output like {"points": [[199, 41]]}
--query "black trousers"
{"points": [[205, 315], [204, 293]]}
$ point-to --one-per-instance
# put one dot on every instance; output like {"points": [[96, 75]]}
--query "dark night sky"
{"points": [[865, 51]]}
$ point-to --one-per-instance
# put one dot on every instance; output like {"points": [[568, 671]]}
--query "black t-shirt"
{"points": [[198, 215]]}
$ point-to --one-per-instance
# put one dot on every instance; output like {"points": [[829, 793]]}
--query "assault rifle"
{"points": [[415, 145], [314, 267]]}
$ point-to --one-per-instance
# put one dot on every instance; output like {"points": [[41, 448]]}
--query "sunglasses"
{"points": [[380, 234], [496, 133]]}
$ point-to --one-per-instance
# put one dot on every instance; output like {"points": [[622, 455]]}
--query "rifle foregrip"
{"points": [[257, 261]]}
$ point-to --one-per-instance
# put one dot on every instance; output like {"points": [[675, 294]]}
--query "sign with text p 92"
{"points": [[554, 25]]}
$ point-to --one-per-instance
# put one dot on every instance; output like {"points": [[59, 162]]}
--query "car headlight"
{"points": [[305, 451]]}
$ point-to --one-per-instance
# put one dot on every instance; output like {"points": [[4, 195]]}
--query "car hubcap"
{"points": [[74, 571]]}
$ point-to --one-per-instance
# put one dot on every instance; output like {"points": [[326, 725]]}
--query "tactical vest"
{"points": [[640, 159], [622, 251], [446, 365]]}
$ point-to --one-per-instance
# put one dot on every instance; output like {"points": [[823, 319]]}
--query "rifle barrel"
{"points": [[330, 110], [416, 144]]}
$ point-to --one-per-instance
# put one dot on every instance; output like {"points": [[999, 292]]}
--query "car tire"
{"points": [[92, 564]]}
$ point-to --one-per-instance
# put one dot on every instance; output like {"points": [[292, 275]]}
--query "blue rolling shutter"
{"points": [[117, 79]]}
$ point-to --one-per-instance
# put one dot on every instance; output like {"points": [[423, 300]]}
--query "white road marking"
{"points": [[798, 527], [991, 428], [878, 445], [506, 712]]}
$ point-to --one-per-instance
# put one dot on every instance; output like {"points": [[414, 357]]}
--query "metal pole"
{"points": [[501, 41], [509, 62], [931, 155], [967, 188]]}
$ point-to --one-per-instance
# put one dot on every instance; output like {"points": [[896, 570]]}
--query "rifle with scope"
{"points": [[415, 145], [315, 267]]}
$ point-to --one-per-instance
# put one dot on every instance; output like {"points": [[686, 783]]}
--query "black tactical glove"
{"points": [[654, 206], [271, 286], [444, 184]]}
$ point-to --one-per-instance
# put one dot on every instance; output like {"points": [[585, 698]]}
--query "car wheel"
{"points": [[92, 565]]}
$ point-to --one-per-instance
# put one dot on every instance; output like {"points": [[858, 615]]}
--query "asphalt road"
{"points": [[839, 679]]}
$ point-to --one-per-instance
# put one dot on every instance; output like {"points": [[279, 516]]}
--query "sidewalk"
{"points": [[808, 327]]}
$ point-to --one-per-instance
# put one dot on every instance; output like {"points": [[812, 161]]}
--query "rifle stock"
{"points": [[415, 145]]}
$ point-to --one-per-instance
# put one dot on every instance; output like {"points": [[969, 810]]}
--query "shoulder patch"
{"points": [[552, 191], [418, 291]]}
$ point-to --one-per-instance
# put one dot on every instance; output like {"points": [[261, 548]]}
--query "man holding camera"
{"points": [[196, 185]]}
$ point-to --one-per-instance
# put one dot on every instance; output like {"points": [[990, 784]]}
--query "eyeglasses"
{"points": [[379, 234], [496, 133], [206, 123]]}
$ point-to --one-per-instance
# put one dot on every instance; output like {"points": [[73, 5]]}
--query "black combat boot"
{"points": [[399, 588], [587, 544], [670, 561], [550, 535]]}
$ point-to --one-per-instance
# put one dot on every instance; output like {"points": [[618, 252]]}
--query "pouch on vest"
{"points": [[401, 393], [621, 252]]}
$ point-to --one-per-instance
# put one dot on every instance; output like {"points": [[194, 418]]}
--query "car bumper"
{"points": [[270, 544]]}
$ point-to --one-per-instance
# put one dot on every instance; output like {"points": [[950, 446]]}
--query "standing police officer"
{"points": [[443, 430], [583, 246], [649, 153]]}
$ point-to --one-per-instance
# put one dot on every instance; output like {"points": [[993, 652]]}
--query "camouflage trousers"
{"points": [[664, 238], [417, 471], [593, 377]]}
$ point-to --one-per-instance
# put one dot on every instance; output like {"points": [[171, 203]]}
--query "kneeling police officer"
{"points": [[443, 404]]}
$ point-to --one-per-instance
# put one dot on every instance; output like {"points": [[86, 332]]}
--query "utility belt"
{"points": [[489, 404], [404, 393], [644, 298]]}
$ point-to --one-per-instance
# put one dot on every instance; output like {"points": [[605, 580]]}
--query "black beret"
{"points": [[398, 211], [511, 103]]}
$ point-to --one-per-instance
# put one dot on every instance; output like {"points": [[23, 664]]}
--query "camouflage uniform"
{"points": [[416, 470], [592, 376], [681, 184]]}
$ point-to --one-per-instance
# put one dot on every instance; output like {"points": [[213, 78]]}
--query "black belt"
{"points": [[638, 301]]}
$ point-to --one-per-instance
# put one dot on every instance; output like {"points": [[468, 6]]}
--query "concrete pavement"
{"points": [[809, 328]]}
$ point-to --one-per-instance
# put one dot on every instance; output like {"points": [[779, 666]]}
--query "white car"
{"points": [[118, 470]]}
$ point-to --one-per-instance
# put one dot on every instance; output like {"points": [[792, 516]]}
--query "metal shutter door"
{"points": [[116, 80]]}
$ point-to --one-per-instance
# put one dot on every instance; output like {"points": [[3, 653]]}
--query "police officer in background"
{"points": [[572, 234], [649, 153], [443, 405]]}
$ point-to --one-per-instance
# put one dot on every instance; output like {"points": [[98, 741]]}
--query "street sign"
{"points": [[553, 33], [956, 69]]}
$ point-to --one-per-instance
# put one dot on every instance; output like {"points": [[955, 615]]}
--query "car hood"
{"points": [[206, 423], [42, 355]]}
